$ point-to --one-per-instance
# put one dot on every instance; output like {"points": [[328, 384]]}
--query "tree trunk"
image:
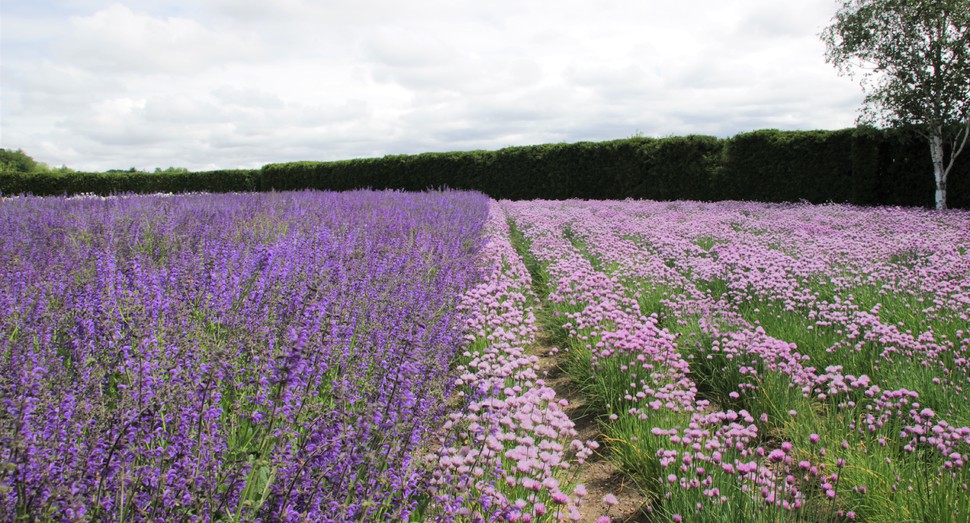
{"points": [[939, 172]]}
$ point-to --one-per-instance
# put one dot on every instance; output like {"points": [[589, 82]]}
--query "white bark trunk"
{"points": [[939, 173]]}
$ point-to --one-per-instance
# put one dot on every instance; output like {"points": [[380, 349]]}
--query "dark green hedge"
{"points": [[893, 167], [58, 183], [864, 165], [637, 167], [775, 166]]}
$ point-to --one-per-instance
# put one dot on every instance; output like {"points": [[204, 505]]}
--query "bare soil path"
{"points": [[598, 474]]}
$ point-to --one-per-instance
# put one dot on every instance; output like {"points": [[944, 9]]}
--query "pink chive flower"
{"points": [[560, 498]]}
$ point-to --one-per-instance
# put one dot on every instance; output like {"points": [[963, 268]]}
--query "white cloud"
{"points": [[117, 40], [240, 83]]}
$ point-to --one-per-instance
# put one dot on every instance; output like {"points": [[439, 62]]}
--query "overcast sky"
{"points": [[207, 84]]}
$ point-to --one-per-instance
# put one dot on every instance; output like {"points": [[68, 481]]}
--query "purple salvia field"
{"points": [[271, 357]]}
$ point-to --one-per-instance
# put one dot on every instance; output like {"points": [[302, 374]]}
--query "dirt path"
{"points": [[598, 474]]}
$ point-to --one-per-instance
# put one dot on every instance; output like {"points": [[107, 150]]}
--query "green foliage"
{"points": [[777, 166], [59, 183], [636, 167], [18, 162], [866, 157], [864, 165], [680, 168], [913, 57], [906, 172], [893, 167], [20, 174], [171, 170]]}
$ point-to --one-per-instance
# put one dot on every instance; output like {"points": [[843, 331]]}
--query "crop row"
{"points": [[273, 357], [508, 451], [761, 362]]}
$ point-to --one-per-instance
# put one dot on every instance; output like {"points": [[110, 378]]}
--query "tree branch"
{"points": [[956, 150]]}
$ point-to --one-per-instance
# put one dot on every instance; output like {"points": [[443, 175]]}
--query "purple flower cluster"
{"points": [[508, 453], [718, 336], [244, 357]]}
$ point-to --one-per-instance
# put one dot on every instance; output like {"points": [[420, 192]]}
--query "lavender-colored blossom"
{"points": [[274, 357], [714, 271]]}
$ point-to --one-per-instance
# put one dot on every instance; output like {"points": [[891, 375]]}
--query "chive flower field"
{"points": [[757, 362], [375, 356]]}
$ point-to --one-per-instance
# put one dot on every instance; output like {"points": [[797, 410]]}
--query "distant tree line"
{"points": [[21, 174], [18, 161], [862, 165]]}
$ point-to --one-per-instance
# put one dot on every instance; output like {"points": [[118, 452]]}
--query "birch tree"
{"points": [[913, 57]]}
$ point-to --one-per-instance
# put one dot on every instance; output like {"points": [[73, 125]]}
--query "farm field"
{"points": [[759, 362], [271, 357], [373, 356]]}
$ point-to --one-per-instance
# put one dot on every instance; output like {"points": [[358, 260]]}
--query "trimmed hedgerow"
{"points": [[863, 165]]}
